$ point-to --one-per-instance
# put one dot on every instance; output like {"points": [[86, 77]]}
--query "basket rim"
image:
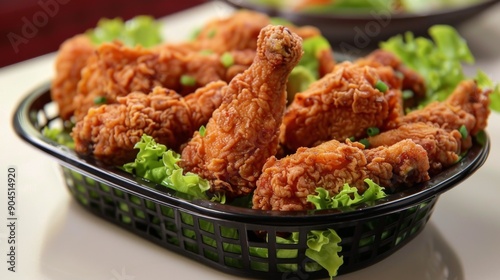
{"points": [[438, 184]]}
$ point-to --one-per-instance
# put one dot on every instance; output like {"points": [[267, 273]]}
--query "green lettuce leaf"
{"points": [[348, 196], [323, 245], [307, 70], [439, 59], [313, 47], [323, 248], [140, 30], [157, 164], [484, 82], [60, 136]]}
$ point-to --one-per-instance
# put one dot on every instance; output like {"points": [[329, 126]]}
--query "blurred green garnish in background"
{"points": [[140, 30]]}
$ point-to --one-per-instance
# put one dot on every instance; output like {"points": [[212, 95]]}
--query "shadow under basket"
{"points": [[232, 239]]}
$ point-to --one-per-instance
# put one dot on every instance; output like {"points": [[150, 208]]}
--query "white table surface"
{"points": [[59, 240]]}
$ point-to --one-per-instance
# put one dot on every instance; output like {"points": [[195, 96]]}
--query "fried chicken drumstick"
{"points": [[243, 131], [285, 183]]}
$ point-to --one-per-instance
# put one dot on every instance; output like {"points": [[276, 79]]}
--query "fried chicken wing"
{"points": [[411, 80], [71, 58], [109, 132], [285, 183], [116, 70], [443, 147], [342, 104], [467, 106], [243, 131], [240, 30]]}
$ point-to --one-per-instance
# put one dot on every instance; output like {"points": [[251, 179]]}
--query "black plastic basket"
{"points": [[228, 238]]}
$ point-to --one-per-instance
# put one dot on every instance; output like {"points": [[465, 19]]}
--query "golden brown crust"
{"points": [[71, 59], [443, 147], [109, 132], [116, 70], [342, 104], [467, 106], [285, 184], [243, 131]]}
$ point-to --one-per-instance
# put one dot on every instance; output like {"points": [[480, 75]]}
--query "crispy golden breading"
{"points": [[340, 105], [243, 131], [240, 30], [116, 70], [71, 57], [411, 80], [109, 132], [467, 106], [285, 184], [443, 147]]}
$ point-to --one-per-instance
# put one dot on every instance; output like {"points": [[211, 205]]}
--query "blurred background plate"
{"points": [[353, 32]]}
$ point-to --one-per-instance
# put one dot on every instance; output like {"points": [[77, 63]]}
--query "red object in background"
{"points": [[30, 28]]}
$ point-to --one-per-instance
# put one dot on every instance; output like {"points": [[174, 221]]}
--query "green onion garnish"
{"points": [[381, 86], [202, 130], [206, 52], [187, 80], [365, 142], [211, 33], [407, 94], [463, 131], [100, 100], [372, 131], [227, 59]]}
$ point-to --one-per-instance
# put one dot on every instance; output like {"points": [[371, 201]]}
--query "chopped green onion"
{"points": [[202, 130], [211, 33], [463, 131], [365, 142], [219, 197], [352, 138], [206, 52], [280, 21], [400, 75], [481, 137], [407, 94], [372, 131], [187, 80], [227, 59], [381, 86], [100, 100], [194, 34]]}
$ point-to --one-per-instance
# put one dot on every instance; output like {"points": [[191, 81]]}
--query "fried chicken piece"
{"points": [[240, 30], [443, 147], [285, 184], [342, 104], [71, 58], [109, 132], [116, 70], [467, 106], [243, 131], [411, 80]]}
